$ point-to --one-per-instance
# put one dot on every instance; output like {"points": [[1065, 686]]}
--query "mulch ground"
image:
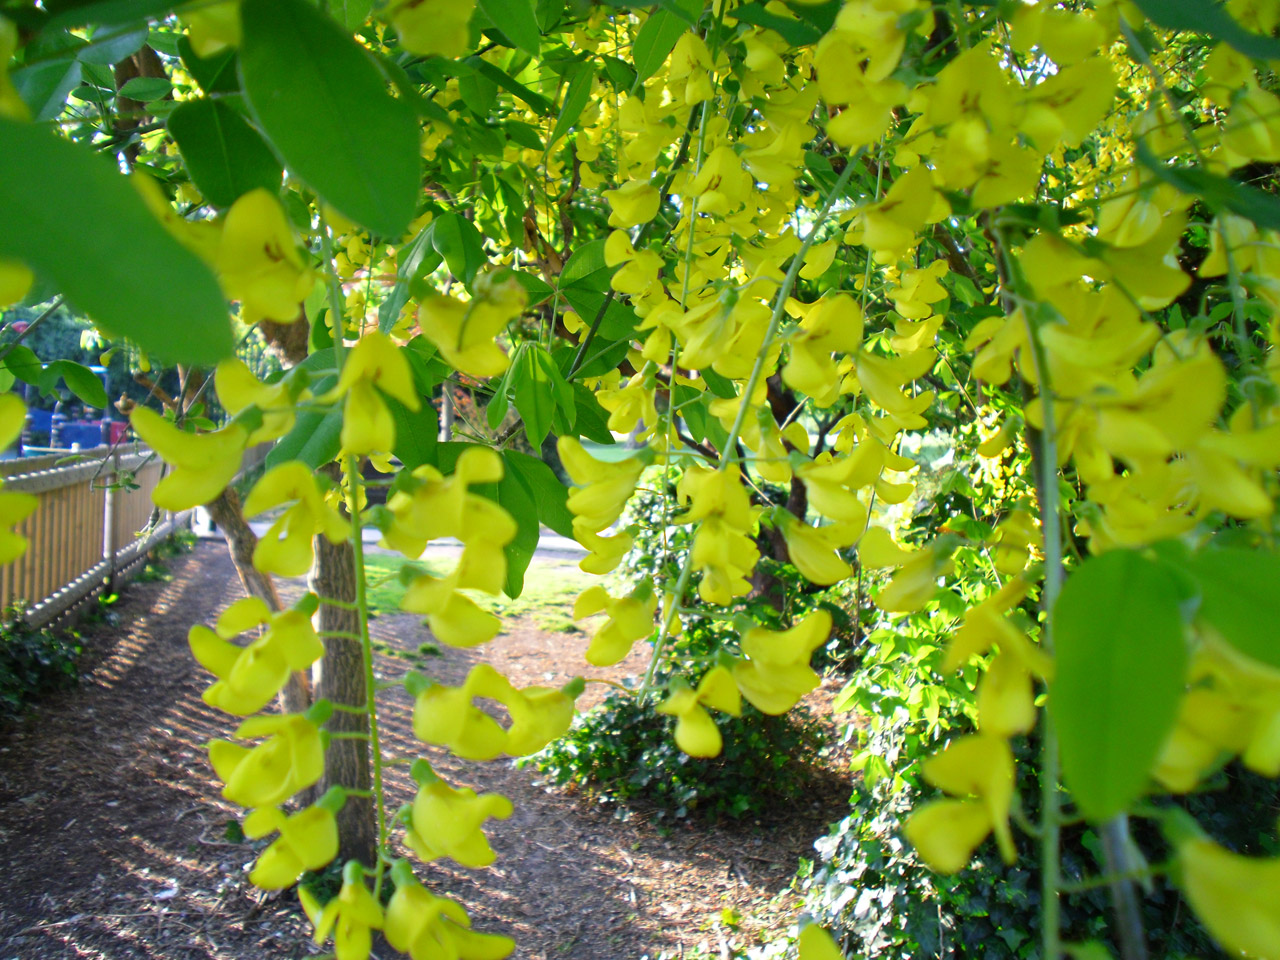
{"points": [[113, 835]]}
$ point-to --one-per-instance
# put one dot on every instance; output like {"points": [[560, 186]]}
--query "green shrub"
{"points": [[623, 751], [872, 890], [33, 662]]}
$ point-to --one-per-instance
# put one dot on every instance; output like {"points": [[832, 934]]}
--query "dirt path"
{"points": [[113, 831]]}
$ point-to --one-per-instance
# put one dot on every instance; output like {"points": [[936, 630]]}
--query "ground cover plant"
{"points": [[797, 254]]}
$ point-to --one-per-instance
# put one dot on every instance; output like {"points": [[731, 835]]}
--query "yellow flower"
{"points": [[447, 716], [946, 832], [289, 760], [259, 261], [367, 424], [16, 279], [433, 505], [286, 548], [203, 464], [433, 27], [349, 916], [1235, 897], [832, 324], [466, 332], [696, 733], [212, 27], [12, 105], [427, 927], [633, 203], [308, 841], [14, 507], [601, 489], [812, 550], [446, 823], [239, 389], [628, 619], [817, 944], [249, 677], [777, 673]]}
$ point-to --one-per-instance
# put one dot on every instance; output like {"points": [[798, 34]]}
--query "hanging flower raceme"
{"points": [[776, 672], [722, 546], [259, 261], [289, 760], [916, 581], [14, 507], [250, 676], [374, 364], [440, 507], [286, 548], [203, 463], [600, 495], [629, 619]]}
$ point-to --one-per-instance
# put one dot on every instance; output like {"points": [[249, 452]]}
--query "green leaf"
{"points": [[324, 105], [44, 86], [550, 495], [798, 33], [583, 264], [1120, 668], [516, 19], [417, 433], [534, 100], [315, 439], [111, 44], [72, 221], [215, 74], [224, 155], [109, 12], [1217, 192], [352, 13], [1238, 597], [459, 242], [619, 320], [1210, 18], [655, 41], [81, 381], [146, 89], [512, 493], [23, 363], [420, 256], [590, 419], [533, 396], [576, 98]]}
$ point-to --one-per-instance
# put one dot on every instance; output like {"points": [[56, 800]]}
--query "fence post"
{"points": [[110, 512]]}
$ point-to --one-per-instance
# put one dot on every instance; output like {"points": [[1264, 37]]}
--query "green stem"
{"points": [[1045, 454]]}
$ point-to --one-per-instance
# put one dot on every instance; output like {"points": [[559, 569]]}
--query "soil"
{"points": [[115, 842]]}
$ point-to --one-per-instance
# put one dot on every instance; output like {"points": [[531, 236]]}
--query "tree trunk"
{"points": [[225, 511], [339, 677]]}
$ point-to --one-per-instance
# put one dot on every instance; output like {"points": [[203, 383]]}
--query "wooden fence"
{"points": [[91, 527]]}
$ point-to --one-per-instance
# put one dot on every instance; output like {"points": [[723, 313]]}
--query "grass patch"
{"points": [[550, 587]]}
